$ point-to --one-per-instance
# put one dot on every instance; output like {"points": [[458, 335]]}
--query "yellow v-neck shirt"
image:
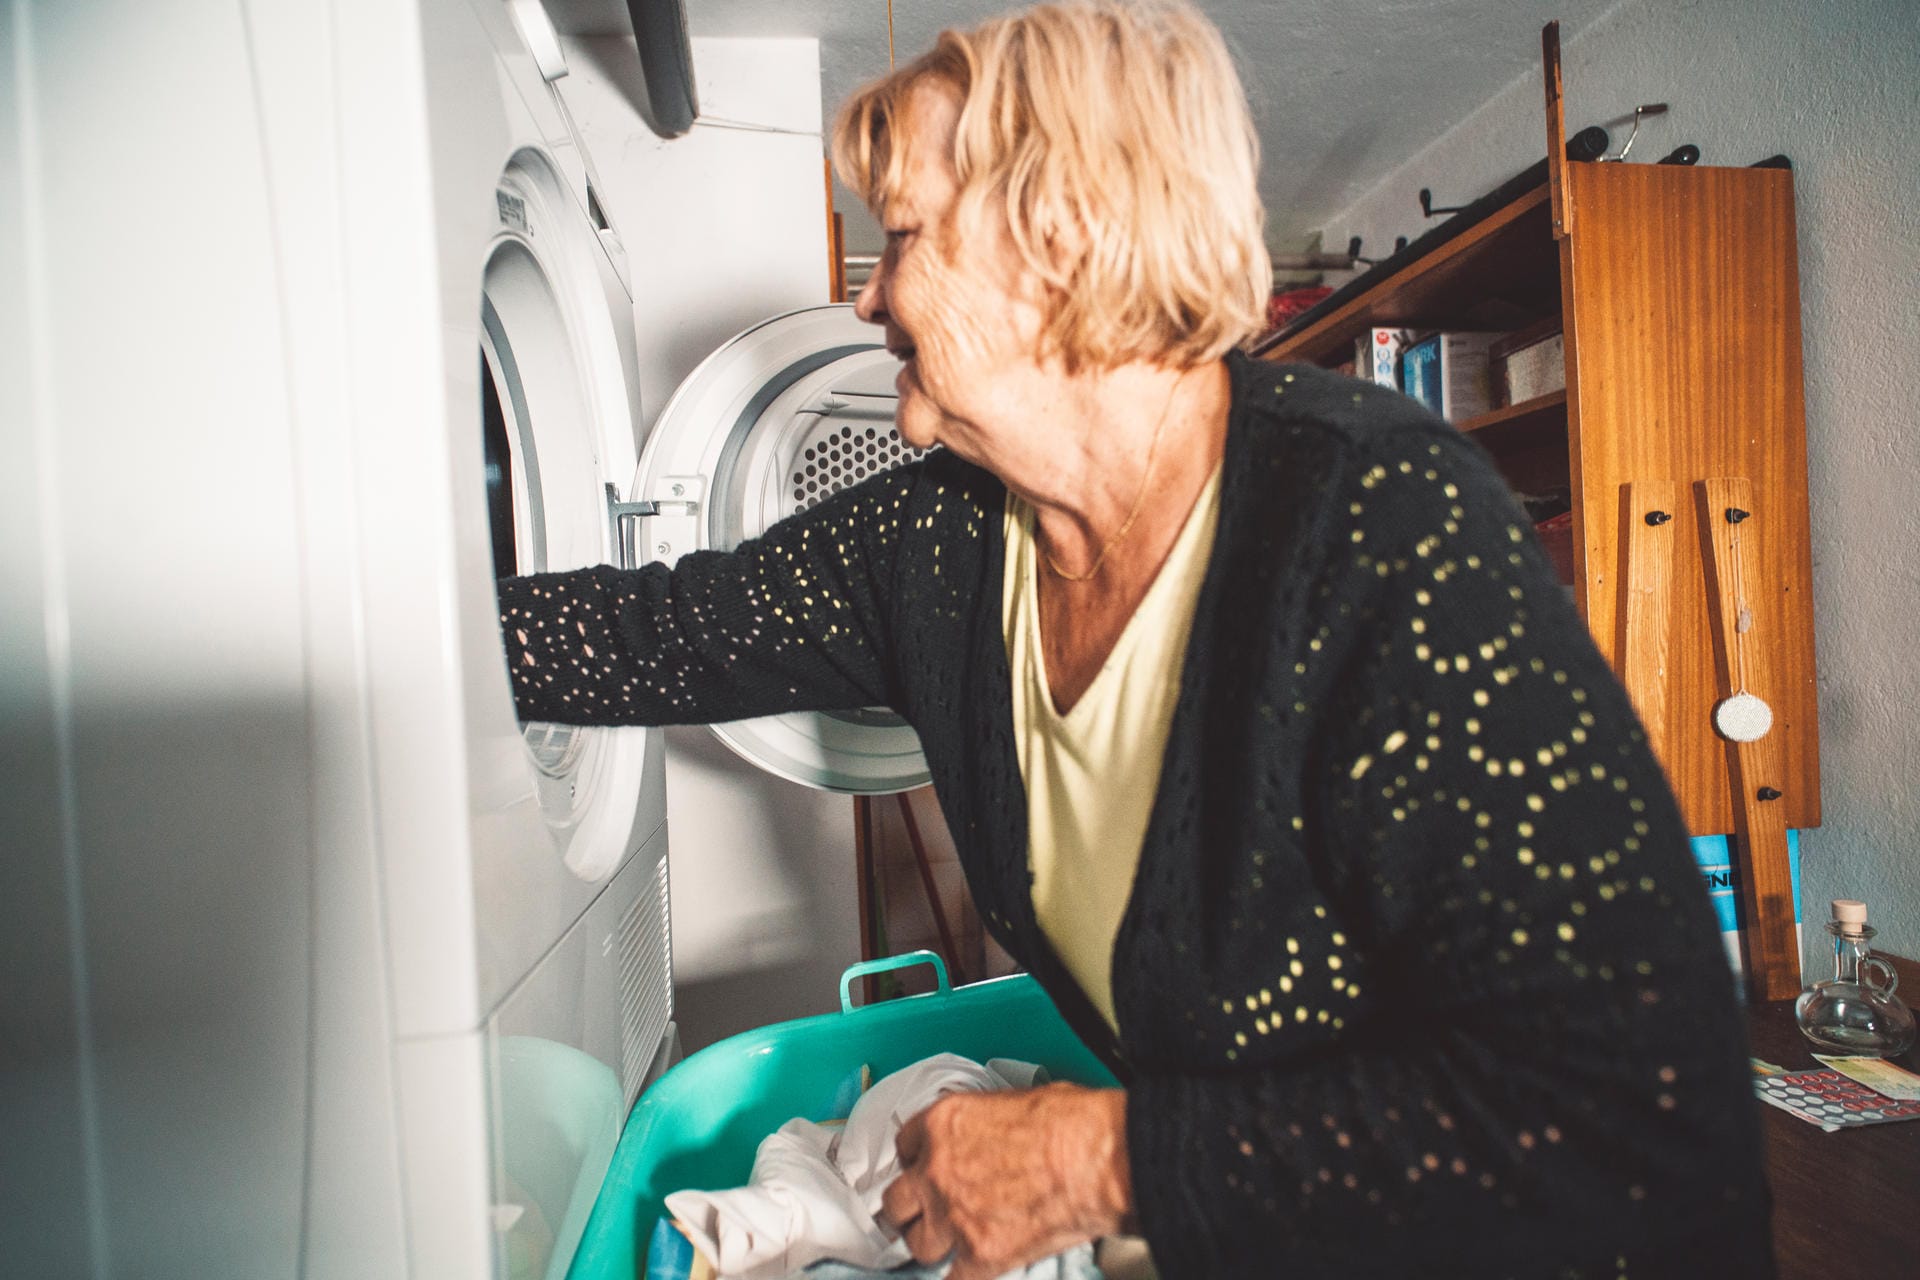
{"points": [[1092, 774]]}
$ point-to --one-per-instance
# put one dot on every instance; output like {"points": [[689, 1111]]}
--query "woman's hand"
{"points": [[1004, 1180]]}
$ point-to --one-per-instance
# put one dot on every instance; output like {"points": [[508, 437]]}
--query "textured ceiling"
{"points": [[1343, 91]]}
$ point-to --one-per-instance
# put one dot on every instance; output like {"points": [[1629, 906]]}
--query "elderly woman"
{"points": [[1270, 743]]}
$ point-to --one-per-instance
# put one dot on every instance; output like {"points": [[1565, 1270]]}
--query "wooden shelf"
{"points": [[1682, 364], [1526, 423], [1500, 273]]}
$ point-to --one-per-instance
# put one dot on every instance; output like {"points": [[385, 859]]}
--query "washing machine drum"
{"points": [[784, 415]]}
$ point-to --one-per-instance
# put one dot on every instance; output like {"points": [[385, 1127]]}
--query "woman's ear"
{"points": [[1064, 241]]}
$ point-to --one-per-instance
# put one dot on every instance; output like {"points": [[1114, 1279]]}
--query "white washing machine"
{"points": [[342, 972], [319, 964]]}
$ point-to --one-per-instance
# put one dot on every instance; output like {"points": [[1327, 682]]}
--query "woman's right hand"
{"points": [[999, 1181]]}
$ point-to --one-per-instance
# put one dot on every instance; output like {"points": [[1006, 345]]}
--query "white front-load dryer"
{"points": [[792, 410], [574, 964]]}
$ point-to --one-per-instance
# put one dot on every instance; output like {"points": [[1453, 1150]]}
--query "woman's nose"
{"points": [[871, 305]]}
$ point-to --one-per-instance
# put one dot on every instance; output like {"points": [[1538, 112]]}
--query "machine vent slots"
{"points": [[646, 983]]}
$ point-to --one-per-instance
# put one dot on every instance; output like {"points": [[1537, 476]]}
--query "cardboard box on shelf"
{"points": [[1448, 372], [1529, 363], [1376, 355]]}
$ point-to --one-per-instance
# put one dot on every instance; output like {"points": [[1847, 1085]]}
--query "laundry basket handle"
{"points": [[888, 964]]}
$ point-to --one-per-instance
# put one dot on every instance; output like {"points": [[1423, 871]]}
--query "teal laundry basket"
{"points": [[700, 1123]]}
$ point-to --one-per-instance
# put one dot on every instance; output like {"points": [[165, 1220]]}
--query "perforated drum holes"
{"points": [[841, 458]]}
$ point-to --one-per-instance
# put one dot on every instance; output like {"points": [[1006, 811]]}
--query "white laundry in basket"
{"points": [[815, 1190]]}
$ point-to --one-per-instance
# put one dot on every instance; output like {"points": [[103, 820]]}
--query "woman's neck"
{"points": [[1122, 451]]}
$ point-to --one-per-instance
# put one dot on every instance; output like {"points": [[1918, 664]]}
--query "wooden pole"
{"points": [[933, 890], [1556, 132], [836, 244]]}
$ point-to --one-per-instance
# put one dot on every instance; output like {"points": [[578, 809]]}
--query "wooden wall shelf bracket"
{"points": [[1647, 534], [1726, 513]]}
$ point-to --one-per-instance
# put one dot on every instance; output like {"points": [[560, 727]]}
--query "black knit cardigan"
{"points": [[1418, 976]]}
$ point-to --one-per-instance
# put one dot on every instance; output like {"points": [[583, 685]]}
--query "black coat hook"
{"points": [[1589, 144]]}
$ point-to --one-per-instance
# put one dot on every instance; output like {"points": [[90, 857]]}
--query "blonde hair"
{"points": [[1118, 129]]}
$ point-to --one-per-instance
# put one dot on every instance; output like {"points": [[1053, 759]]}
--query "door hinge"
{"points": [[657, 529]]}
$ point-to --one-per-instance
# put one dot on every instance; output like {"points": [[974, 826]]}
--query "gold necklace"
{"points": [[1139, 502]]}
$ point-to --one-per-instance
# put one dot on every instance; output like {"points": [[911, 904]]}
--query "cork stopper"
{"points": [[1850, 914]]}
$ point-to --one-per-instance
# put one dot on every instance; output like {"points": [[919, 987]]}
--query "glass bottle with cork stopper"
{"points": [[1855, 1012]]}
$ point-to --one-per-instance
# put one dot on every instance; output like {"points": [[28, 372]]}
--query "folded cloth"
{"points": [[815, 1192], [1075, 1264]]}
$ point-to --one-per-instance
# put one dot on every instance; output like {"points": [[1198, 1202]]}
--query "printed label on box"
{"points": [[1384, 355], [1714, 856]]}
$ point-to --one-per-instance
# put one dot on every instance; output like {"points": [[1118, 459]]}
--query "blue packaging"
{"points": [[1714, 856], [1420, 372], [669, 1254]]}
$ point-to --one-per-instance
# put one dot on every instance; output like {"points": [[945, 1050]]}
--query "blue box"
{"points": [[1714, 856], [1420, 372]]}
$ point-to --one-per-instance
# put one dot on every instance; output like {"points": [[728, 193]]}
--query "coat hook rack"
{"points": [[1590, 143], [1647, 109]]}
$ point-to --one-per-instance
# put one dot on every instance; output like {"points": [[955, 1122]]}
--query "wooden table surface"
{"points": [[1844, 1203]]}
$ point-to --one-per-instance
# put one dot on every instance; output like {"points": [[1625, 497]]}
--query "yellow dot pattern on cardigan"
{"points": [[1092, 775]]}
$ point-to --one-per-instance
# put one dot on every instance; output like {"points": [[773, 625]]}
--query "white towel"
{"points": [[815, 1192]]}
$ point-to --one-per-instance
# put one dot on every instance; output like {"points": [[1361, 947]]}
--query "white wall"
{"points": [[724, 227], [1836, 86]]}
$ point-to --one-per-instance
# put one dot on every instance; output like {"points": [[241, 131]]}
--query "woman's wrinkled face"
{"points": [[957, 309]]}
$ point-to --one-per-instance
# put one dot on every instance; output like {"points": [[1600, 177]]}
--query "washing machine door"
{"points": [[557, 413], [784, 415]]}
